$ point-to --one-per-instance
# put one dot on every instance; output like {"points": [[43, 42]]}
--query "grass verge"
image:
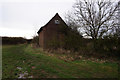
{"points": [[37, 64]]}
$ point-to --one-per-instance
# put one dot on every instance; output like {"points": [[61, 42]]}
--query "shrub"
{"points": [[109, 46], [35, 40], [71, 39], [13, 40]]}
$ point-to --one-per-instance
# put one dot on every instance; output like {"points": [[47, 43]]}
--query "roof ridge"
{"points": [[50, 21]]}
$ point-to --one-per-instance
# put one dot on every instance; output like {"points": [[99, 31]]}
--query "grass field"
{"points": [[23, 60]]}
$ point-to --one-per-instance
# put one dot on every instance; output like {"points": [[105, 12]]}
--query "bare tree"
{"points": [[71, 22], [117, 32], [96, 17]]}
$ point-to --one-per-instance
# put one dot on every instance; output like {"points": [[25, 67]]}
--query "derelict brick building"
{"points": [[50, 32]]}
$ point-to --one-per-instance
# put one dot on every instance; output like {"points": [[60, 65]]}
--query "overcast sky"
{"points": [[23, 18]]}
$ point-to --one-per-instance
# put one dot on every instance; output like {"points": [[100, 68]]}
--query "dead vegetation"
{"points": [[69, 56]]}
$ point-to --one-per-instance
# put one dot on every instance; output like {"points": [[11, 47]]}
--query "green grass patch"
{"points": [[40, 65]]}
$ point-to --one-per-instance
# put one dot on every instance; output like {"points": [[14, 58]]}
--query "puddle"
{"points": [[23, 74], [19, 68]]}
